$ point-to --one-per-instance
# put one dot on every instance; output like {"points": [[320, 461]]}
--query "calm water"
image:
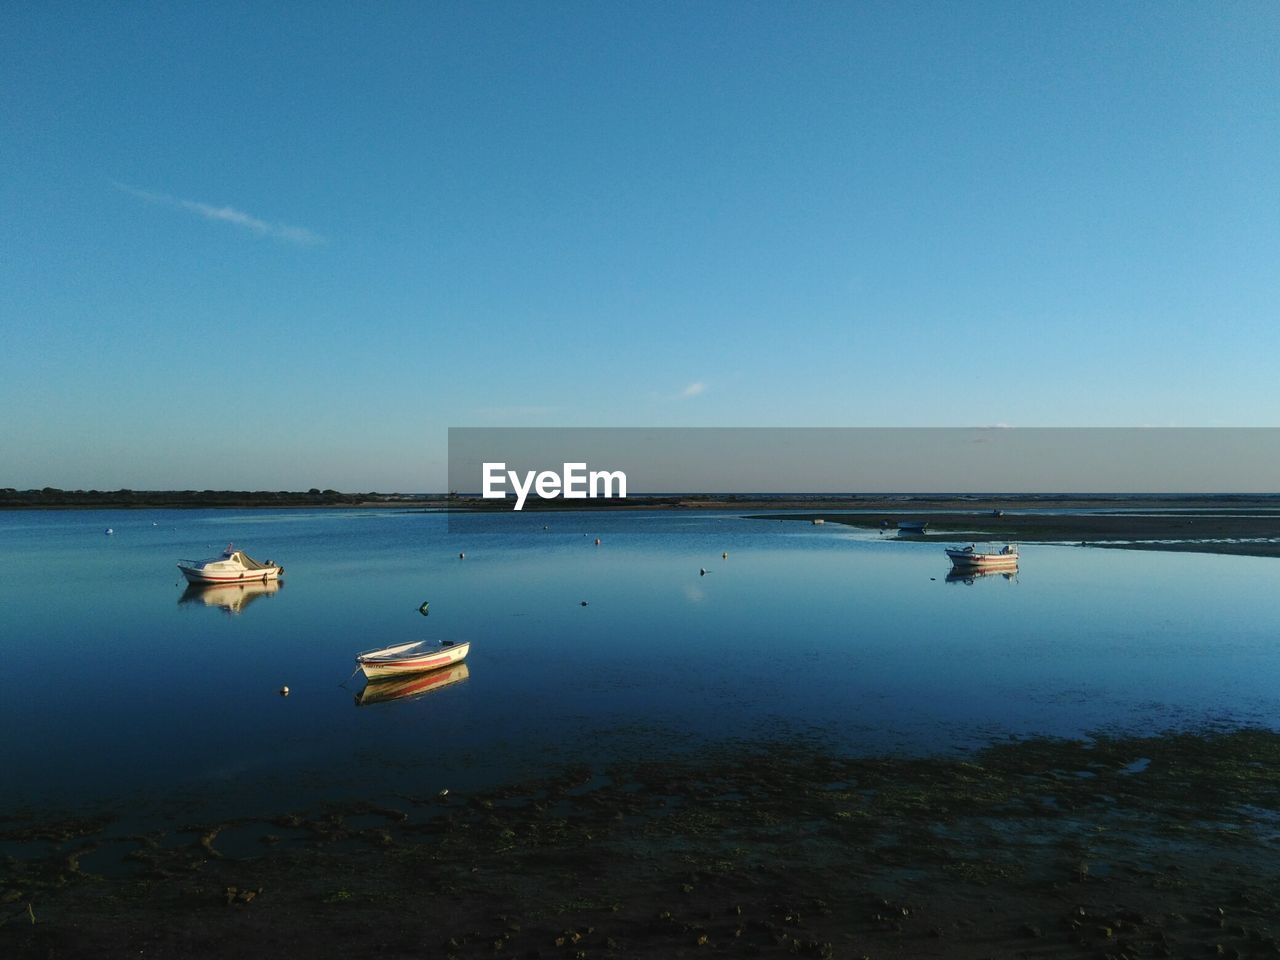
{"points": [[125, 689]]}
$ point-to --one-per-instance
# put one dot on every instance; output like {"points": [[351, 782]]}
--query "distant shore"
{"points": [[890, 504], [52, 498], [1239, 524], [1191, 525]]}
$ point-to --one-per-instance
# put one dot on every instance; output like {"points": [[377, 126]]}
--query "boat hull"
{"points": [[374, 667], [964, 560], [200, 575]]}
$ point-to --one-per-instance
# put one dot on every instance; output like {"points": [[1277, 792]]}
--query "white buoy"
{"points": [[725, 555], [597, 541], [462, 556], [702, 571], [284, 691], [108, 532]]}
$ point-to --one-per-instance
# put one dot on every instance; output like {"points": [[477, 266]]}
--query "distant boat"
{"points": [[913, 526], [417, 656], [409, 687], [234, 566], [971, 558], [818, 521]]}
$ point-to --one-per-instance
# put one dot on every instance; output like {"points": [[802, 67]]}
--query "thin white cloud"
{"points": [[224, 214], [694, 389]]}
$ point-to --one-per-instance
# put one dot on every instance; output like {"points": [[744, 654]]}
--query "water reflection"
{"points": [[407, 688], [231, 597], [970, 577]]}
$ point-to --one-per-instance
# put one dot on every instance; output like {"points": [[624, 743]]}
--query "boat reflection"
{"points": [[410, 687], [970, 577], [231, 597]]}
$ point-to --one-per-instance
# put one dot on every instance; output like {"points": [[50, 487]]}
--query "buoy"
{"points": [[423, 609], [462, 556], [725, 555], [583, 603], [284, 691], [597, 541], [702, 571], [108, 532], [443, 793]]}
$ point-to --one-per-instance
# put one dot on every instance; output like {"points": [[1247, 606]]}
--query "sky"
{"points": [[286, 245]]}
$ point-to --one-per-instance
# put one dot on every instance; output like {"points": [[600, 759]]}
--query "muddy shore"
{"points": [[1244, 530], [1113, 847]]}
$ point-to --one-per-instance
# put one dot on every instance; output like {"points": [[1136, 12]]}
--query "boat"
{"points": [[410, 687], [417, 656], [912, 526], [234, 566], [971, 558]]}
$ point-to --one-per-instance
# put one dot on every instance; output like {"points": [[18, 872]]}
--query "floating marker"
{"points": [[108, 532], [462, 556], [423, 609], [284, 691], [583, 603], [702, 571], [597, 541]]}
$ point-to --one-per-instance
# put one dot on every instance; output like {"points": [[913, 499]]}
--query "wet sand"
{"points": [[1140, 847], [1241, 530]]}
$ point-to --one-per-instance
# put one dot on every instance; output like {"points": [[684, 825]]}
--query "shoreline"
{"points": [[1145, 846], [1235, 533], [1224, 524], [977, 504]]}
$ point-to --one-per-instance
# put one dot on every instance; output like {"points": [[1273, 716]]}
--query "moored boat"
{"points": [[234, 566], [417, 656], [912, 526], [971, 558]]}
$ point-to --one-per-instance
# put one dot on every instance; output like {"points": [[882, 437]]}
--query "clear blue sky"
{"points": [[287, 245]]}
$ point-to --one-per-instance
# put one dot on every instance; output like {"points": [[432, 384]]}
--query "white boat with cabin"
{"points": [[234, 566]]}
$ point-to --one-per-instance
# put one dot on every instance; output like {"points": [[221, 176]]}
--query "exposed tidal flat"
{"points": [[818, 747]]}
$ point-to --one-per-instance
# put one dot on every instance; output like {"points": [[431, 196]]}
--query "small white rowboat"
{"points": [[417, 656]]}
